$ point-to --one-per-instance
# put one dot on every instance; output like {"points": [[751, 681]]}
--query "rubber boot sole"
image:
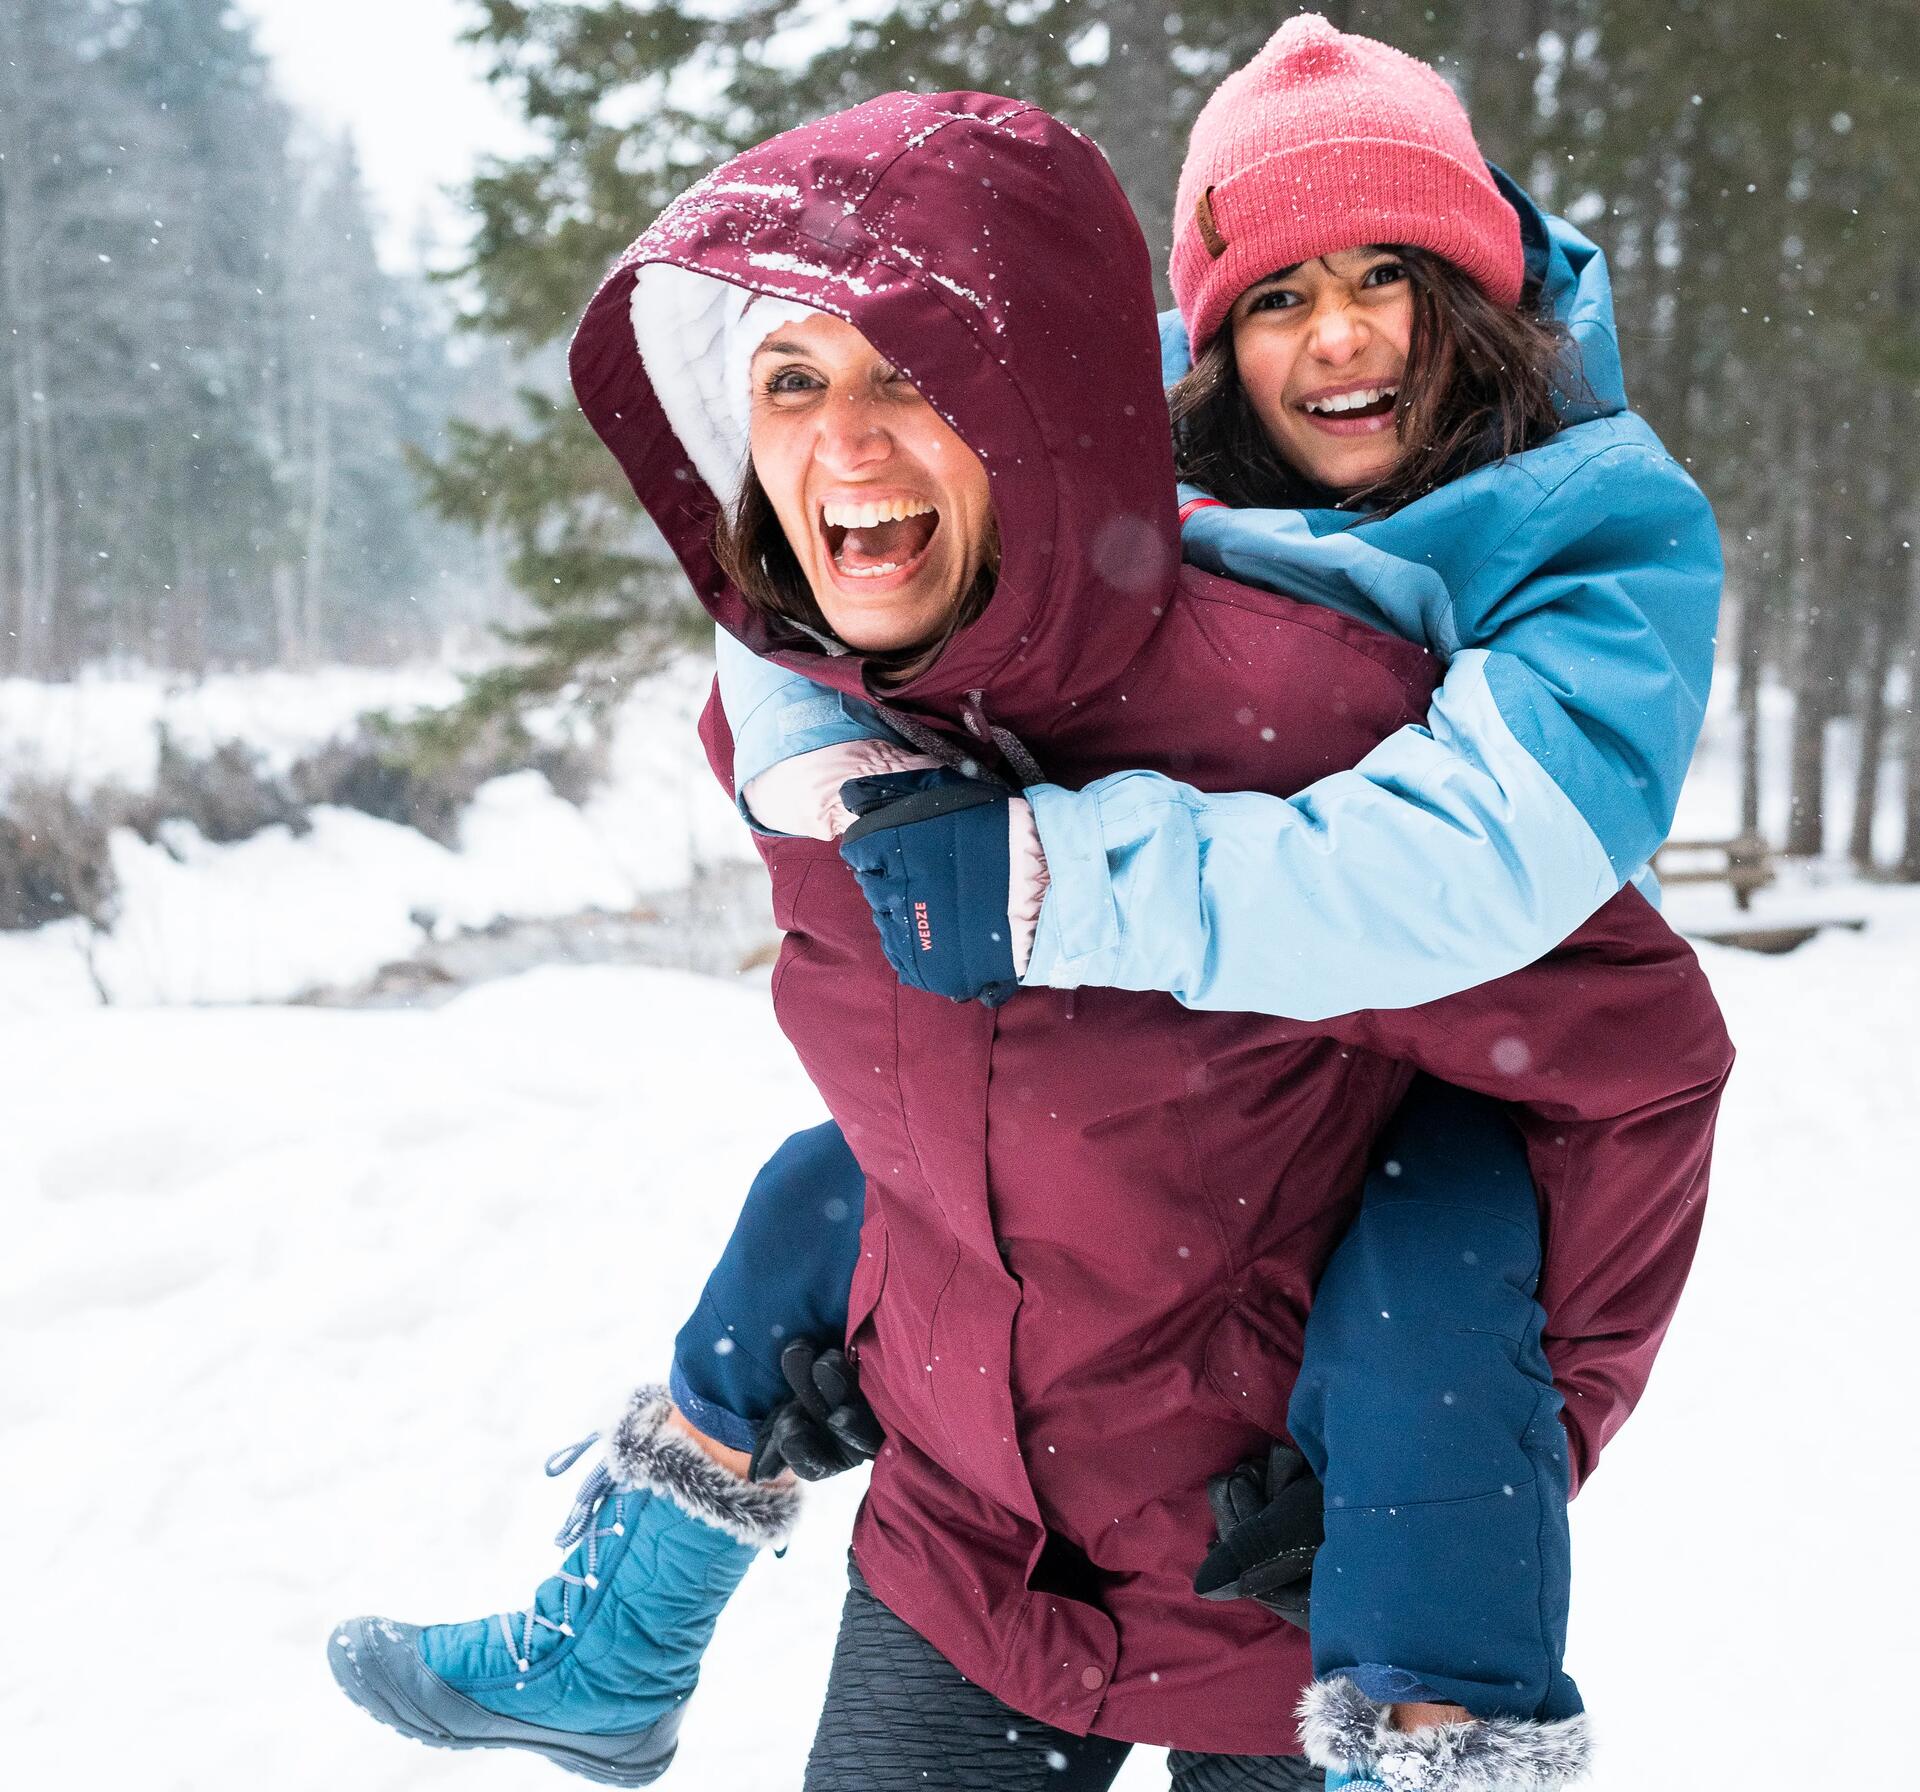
{"points": [[377, 1665]]}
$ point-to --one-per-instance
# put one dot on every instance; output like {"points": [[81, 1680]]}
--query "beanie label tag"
{"points": [[1209, 231]]}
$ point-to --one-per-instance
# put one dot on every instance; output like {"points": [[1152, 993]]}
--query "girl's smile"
{"points": [[1321, 350]]}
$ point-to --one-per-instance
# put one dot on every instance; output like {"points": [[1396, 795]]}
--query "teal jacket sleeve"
{"points": [[1574, 592], [774, 713]]}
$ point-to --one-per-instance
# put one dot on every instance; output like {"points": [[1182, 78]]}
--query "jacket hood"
{"points": [[1570, 274], [986, 250]]}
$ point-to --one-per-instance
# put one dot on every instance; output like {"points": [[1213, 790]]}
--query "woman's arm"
{"points": [[1578, 616]]}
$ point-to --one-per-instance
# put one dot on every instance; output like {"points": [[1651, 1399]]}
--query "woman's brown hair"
{"points": [[1479, 385], [753, 551]]}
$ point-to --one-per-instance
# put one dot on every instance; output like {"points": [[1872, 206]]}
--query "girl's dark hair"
{"points": [[1478, 386], [752, 549]]}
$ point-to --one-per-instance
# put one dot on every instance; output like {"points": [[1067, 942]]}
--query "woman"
{"points": [[1539, 538], [1136, 612]]}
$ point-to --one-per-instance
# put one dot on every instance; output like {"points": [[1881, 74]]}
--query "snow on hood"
{"points": [[986, 250]]}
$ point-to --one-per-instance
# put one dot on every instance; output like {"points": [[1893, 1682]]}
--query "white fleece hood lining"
{"points": [[696, 335]]}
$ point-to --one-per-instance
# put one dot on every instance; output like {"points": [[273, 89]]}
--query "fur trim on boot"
{"points": [[1341, 1727], [642, 1452]]}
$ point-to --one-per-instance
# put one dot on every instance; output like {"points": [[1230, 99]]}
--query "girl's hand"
{"points": [[931, 851]]}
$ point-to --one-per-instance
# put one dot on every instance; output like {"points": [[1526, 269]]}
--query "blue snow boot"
{"points": [[596, 1672], [1354, 1739]]}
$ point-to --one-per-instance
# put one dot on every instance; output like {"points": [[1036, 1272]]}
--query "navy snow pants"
{"points": [[785, 1274], [1426, 1407], [1424, 1402]]}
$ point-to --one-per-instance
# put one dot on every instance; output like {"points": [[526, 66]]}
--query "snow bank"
{"points": [[103, 729], [280, 914], [327, 1287]]}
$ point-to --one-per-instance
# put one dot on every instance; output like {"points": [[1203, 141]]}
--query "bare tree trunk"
{"points": [[1807, 770], [1499, 40], [286, 615], [1884, 584], [26, 513], [1908, 868], [1872, 744], [1749, 665], [187, 616], [319, 513], [47, 598], [18, 304], [1136, 121], [1813, 686], [1750, 748]]}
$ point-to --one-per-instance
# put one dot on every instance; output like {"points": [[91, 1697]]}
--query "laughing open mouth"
{"points": [[869, 541], [1370, 401]]}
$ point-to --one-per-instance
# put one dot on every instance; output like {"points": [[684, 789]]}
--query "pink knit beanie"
{"points": [[1326, 142]]}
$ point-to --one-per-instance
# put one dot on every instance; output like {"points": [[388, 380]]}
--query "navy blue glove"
{"points": [[930, 851]]}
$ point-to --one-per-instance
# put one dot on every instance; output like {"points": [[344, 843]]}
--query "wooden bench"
{"points": [[1776, 937], [1745, 862]]}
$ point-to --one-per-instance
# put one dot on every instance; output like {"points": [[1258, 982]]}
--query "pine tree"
{"points": [[632, 102], [72, 213], [207, 383]]}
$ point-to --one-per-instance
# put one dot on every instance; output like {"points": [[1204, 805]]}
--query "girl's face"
{"points": [[885, 508], [1321, 349]]}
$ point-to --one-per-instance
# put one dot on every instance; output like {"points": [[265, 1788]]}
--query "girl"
{"points": [[1314, 349]]}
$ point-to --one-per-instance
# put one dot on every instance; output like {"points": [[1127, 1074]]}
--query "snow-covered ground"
{"points": [[295, 1303]]}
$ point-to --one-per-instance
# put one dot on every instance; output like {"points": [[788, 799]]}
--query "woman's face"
{"points": [[885, 508], [1321, 349]]}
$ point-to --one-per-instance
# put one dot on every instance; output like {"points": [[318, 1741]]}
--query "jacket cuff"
{"points": [[1026, 880], [801, 795], [643, 1451], [1341, 1727], [1077, 935]]}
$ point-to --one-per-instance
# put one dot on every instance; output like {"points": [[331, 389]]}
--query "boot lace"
{"points": [[579, 1532]]}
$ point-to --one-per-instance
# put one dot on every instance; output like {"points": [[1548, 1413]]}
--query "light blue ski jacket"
{"points": [[1573, 592]]}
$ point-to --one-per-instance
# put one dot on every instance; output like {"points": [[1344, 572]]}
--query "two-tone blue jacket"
{"points": [[1573, 591]]}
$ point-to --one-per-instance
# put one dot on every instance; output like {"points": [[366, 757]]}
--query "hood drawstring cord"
{"points": [[1023, 765], [1012, 749]]}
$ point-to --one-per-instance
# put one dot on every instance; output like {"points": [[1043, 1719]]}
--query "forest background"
{"points": [[340, 1060], [230, 437]]}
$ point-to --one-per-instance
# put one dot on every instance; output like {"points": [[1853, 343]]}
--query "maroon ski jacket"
{"points": [[1095, 1220]]}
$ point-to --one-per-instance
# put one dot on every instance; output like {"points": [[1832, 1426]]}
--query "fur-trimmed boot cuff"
{"points": [[1341, 1727], [643, 1452]]}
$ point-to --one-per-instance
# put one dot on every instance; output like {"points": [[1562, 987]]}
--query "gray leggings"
{"points": [[900, 1717]]}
